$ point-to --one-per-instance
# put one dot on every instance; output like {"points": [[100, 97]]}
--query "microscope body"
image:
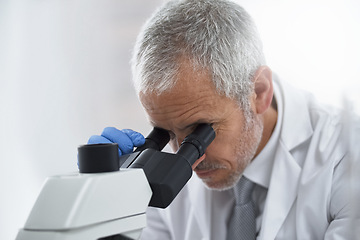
{"points": [[90, 206]]}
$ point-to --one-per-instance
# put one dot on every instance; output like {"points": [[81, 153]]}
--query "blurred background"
{"points": [[65, 75]]}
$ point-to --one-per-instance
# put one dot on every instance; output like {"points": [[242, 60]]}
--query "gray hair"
{"points": [[216, 35]]}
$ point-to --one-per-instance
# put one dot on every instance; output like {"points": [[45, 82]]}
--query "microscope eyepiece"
{"points": [[195, 144], [157, 139], [201, 137]]}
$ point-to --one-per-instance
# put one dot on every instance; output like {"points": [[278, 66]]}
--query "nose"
{"points": [[202, 158]]}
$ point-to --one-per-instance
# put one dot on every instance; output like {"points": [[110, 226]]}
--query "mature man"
{"points": [[201, 61]]}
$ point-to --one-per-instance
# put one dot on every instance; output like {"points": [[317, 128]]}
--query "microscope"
{"points": [[108, 198]]}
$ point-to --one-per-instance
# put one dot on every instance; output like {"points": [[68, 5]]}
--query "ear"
{"points": [[263, 89]]}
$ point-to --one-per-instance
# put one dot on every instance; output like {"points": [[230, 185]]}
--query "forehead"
{"points": [[177, 101], [190, 90]]}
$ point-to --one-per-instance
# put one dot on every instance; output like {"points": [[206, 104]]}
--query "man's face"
{"points": [[194, 100]]}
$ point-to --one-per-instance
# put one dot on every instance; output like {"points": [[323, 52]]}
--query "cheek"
{"points": [[222, 149]]}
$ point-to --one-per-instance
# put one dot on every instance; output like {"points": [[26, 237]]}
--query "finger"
{"points": [[115, 135], [95, 139], [136, 137]]}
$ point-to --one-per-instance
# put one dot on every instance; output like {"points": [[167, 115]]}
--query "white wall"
{"points": [[313, 43], [65, 75]]}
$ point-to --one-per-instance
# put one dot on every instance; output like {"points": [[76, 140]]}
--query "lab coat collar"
{"points": [[285, 175], [296, 125], [296, 128]]}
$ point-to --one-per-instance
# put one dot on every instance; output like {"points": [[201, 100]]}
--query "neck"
{"points": [[269, 121]]}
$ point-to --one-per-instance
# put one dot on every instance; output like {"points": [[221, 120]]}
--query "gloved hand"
{"points": [[127, 139]]}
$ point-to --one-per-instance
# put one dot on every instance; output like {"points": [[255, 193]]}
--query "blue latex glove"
{"points": [[127, 139]]}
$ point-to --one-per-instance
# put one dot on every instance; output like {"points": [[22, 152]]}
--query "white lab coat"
{"points": [[309, 193]]}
